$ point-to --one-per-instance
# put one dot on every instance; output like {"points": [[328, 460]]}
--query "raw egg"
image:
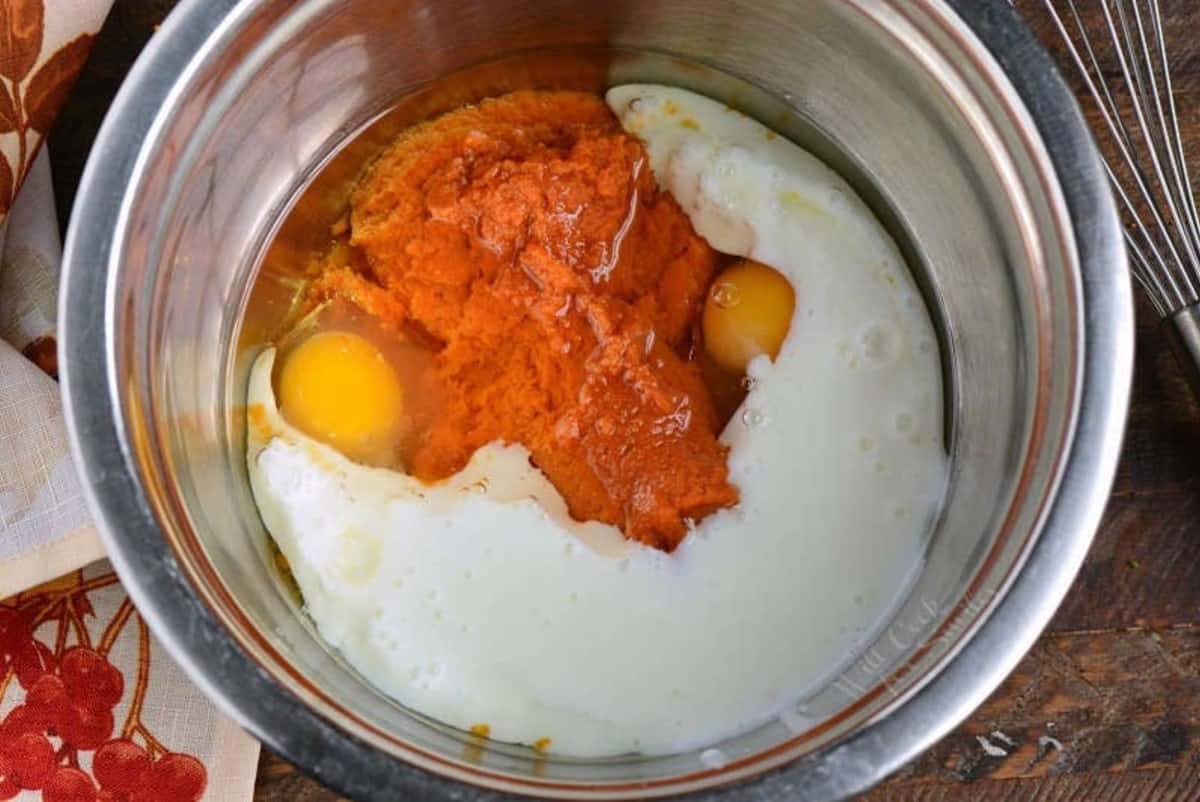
{"points": [[747, 313], [339, 389]]}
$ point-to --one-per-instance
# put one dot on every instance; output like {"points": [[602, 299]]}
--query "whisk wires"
{"points": [[1147, 165]]}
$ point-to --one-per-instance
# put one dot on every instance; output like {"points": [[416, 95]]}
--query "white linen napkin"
{"points": [[91, 707]]}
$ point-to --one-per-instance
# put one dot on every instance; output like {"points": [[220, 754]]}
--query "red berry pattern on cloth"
{"points": [[64, 739]]}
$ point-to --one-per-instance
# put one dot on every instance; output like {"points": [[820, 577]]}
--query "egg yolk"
{"points": [[747, 313], [337, 388]]}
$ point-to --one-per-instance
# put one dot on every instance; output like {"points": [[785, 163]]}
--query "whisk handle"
{"points": [[1183, 331]]}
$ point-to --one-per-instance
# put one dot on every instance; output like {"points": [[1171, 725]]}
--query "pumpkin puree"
{"points": [[527, 239]]}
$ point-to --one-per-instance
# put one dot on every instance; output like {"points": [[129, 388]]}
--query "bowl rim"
{"points": [[243, 690]]}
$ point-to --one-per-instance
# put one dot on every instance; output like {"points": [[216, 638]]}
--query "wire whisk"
{"points": [[1119, 49]]}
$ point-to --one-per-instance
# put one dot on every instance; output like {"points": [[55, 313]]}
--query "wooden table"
{"points": [[1107, 704]]}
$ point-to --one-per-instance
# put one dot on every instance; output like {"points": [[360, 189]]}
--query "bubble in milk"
{"points": [[713, 759], [479, 487], [796, 719], [754, 418], [878, 343]]}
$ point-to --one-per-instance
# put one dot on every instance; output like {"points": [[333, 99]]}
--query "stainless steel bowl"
{"points": [[947, 116]]}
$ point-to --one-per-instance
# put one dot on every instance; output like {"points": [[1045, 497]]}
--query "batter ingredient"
{"points": [[337, 387], [527, 237], [748, 313]]}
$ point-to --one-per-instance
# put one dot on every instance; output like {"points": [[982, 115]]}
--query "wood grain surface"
{"points": [[1106, 707]]}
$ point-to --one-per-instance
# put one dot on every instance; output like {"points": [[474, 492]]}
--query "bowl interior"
{"points": [[250, 163]]}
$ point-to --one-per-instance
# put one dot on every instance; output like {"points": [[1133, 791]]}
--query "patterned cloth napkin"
{"points": [[91, 707]]}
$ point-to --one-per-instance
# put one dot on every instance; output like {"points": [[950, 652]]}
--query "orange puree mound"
{"points": [[526, 235]]}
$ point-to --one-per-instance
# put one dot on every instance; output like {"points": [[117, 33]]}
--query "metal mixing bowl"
{"points": [[946, 115]]}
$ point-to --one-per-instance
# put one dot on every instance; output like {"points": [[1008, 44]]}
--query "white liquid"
{"points": [[479, 601]]}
